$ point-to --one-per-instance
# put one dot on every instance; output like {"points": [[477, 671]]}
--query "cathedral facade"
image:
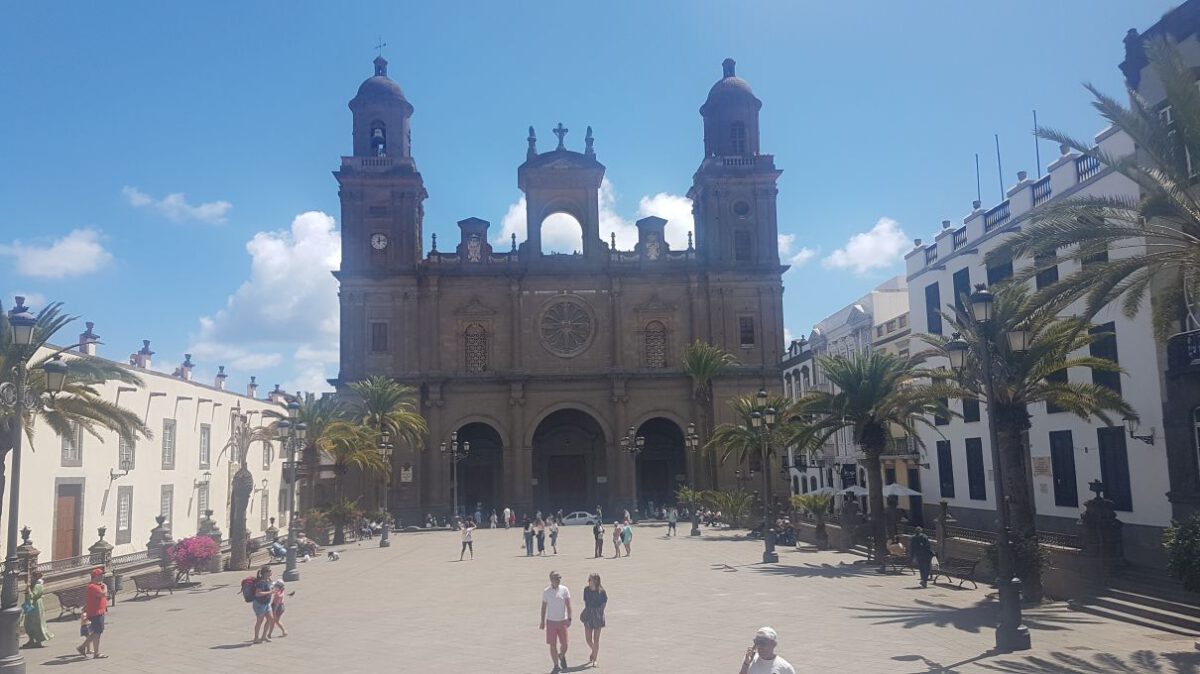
{"points": [[544, 362]]}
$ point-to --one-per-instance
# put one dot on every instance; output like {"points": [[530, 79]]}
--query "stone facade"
{"points": [[543, 362]]}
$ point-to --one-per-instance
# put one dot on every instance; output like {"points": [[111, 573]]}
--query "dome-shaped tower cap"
{"points": [[730, 86], [380, 87]]}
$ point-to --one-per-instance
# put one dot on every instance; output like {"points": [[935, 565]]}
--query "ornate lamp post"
{"points": [[1011, 635], [692, 440], [457, 451], [633, 444], [293, 434], [761, 423], [17, 396], [385, 448]]}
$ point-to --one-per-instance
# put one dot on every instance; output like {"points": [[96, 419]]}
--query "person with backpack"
{"points": [[256, 590]]}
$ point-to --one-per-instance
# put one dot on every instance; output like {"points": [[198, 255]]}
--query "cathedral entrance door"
{"points": [[568, 453], [662, 463], [481, 473]]}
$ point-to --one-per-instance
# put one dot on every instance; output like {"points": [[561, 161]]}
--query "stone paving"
{"points": [[676, 605]]}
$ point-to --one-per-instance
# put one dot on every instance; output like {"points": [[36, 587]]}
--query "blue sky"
{"points": [[168, 164]]}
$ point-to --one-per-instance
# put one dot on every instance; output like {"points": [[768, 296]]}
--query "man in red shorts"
{"points": [[556, 618]]}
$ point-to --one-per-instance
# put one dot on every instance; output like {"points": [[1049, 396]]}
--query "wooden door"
{"points": [[68, 509]]}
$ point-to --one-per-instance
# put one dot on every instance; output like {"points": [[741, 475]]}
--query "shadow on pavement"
{"points": [[839, 570], [226, 647], [973, 618], [935, 667], [1138, 662]]}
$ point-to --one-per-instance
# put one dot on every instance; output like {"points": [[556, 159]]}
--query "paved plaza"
{"points": [[676, 605]]}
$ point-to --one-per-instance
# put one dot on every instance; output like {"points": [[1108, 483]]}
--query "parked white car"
{"points": [[580, 517]]}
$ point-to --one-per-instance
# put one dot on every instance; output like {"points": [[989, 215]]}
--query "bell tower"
{"points": [[734, 191], [381, 190]]}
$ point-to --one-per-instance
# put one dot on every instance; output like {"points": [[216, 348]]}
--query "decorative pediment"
{"points": [[655, 305], [475, 307]]}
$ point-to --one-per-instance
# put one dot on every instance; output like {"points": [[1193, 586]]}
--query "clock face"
{"points": [[379, 241]]}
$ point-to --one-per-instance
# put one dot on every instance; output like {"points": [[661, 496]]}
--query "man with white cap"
{"points": [[761, 658]]}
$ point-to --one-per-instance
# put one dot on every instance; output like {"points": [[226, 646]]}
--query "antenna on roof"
{"points": [[1037, 150], [978, 195], [999, 168]]}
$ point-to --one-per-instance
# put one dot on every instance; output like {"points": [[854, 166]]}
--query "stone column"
{"points": [[160, 543], [272, 532], [1100, 536], [101, 550], [27, 555], [210, 528], [944, 521]]}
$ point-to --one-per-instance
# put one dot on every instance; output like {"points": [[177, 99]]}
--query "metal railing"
{"points": [[1041, 191], [931, 254], [977, 535], [1059, 540], [995, 217], [959, 238], [65, 564], [1086, 167]]}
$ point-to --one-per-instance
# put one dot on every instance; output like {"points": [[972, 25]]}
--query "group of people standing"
{"points": [[622, 535], [556, 618], [537, 530]]}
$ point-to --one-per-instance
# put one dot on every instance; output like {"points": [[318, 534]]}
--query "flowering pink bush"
{"points": [[191, 553]]}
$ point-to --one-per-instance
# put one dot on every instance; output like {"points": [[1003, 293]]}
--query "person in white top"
{"points": [[761, 658], [672, 519], [556, 618], [466, 528]]}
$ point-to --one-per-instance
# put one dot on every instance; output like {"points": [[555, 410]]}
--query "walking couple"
{"points": [[556, 618]]}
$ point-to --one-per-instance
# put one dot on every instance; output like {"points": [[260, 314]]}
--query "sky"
{"points": [[167, 166]]}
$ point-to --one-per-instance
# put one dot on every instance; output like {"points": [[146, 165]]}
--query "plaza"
{"points": [[678, 605]]}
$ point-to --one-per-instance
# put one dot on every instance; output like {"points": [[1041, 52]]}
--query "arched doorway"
{"points": [[568, 454], [481, 473], [662, 463]]}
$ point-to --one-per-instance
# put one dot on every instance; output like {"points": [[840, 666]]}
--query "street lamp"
{"points": [[1011, 635], [17, 396], [633, 444], [693, 444], [457, 451], [289, 433], [385, 449], [1132, 423]]}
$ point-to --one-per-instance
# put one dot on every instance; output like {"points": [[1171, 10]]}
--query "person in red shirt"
{"points": [[94, 610]]}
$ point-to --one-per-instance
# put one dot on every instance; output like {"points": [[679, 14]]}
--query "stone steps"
{"points": [[1135, 614]]}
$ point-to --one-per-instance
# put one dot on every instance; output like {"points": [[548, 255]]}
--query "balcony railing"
{"points": [[995, 217], [959, 238], [1183, 353], [1041, 191], [931, 255], [1086, 167]]}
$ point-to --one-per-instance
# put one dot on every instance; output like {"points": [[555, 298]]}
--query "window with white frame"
{"points": [[168, 444], [201, 502], [205, 445], [72, 447], [124, 515], [126, 450], [166, 501], [266, 506]]}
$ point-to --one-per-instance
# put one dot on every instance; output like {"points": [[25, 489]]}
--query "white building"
{"points": [[72, 486], [1067, 453]]}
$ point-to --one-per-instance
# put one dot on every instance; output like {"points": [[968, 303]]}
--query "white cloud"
{"points": [[175, 207], [561, 233], [797, 258], [288, 305], [76, 254], [879, 248]]}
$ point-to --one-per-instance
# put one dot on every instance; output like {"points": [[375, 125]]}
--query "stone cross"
{"points": [[561, 132], [381, 45]]}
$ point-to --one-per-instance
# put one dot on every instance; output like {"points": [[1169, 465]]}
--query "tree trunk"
{"points": [[875, 499], [1010, 426], [243, 484], [339, 527]]}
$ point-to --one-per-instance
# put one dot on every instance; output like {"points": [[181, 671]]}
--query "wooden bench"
{"points": [[956, 567], [899, 563], [155, 581], [71, 599]]}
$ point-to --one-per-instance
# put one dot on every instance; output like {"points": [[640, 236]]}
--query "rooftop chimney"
{"points": [[221, 377], [277, 395], [945, 224], [187, 367], [142, 358], [252, 387], [88, 340]]}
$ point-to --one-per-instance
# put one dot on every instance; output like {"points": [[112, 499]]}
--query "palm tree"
{"points": [[79, 405], [1020, 378], [387, 406], [350, 445], [241, 439], [316, 414], [704, 362], [1160, 229], [879, 395], [738, 441]]}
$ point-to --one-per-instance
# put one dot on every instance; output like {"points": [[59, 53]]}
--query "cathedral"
{"points": [[560, 374]]}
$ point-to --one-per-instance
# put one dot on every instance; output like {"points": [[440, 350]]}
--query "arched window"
{"points": [[812, 484], [737, 138], [475, 348], [378, 138], [655, 344], [787, 386], [797, 485]]}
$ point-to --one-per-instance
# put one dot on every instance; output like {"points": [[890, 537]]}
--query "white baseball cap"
{"points": [[767, 633]]}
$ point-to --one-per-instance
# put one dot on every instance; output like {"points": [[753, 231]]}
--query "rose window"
{"points": [[566, 327]]}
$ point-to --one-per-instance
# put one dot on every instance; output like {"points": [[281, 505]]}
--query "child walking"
{"points": [[277, 593]]}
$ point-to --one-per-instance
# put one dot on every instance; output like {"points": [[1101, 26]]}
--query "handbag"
{"points": [[27, 607]]}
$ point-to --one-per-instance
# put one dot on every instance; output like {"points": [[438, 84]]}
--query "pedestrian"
{"points": [[626, 517], [493, 518], [922, 553], [556, 618], [35, 615], [599, 512], [592, 616], [262, 605], [761, 658], [507, 517], [554, 536], [527, 533], [616, 539], [627, 536], [539, 528], [672, 520], [277, 592], [466, 529], [598, 533], [95, 608]]}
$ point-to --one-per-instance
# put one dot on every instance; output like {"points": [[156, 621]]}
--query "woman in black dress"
{"points": [[594, 600]]}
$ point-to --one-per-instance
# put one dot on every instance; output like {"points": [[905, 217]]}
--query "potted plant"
{"points": [[192, 554]]}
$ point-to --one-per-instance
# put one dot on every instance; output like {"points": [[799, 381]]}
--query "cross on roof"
{"points": [[381, 45], [561, 132]]}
